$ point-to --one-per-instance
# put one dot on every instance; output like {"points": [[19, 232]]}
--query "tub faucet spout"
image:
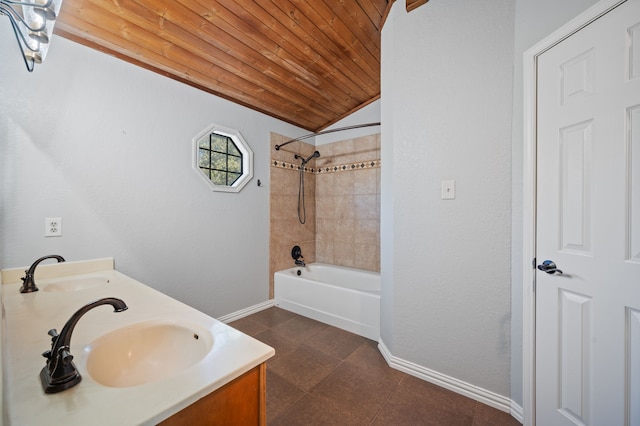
{"points": [[60, 373], [300, 261], [28, 281]]}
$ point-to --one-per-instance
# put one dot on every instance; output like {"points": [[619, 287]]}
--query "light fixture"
{"points": [[32, 23]]}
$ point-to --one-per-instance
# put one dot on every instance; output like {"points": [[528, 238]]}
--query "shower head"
{"points": [[315, 154]]}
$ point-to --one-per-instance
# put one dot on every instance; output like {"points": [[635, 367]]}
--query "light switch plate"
{"points": [[448, 189]]}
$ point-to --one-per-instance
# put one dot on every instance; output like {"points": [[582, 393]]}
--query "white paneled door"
{"points": [[588, 225]]}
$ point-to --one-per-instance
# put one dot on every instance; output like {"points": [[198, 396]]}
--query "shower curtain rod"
{"points": [[324, 133]]}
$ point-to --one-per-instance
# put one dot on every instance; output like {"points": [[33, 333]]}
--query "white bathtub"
{"points": [[343, 297]]}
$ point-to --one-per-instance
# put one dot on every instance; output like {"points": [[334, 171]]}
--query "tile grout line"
{"points": [[385, 403], [475, 410], [304, 393]]}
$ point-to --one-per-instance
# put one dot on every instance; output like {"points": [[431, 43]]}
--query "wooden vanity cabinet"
{"points": [[241, 402]]}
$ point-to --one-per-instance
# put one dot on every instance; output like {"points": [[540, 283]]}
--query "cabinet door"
{"points": [[238, 403]]}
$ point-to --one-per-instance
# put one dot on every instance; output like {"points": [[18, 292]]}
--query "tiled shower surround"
{"points": [[342, 199]]}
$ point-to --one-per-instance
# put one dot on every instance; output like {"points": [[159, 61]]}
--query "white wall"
{"points": [[452, 268], [107, 146], [366, 115], [534, 20], [446, 106]]}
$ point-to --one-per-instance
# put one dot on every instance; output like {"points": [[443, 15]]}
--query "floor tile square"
{"points": [[489, 416], [277, 341], [317, 411], [248, 325], [412, 409], [300, 328], [336, 342], [443, 398], [304, 367], [273, 316], [353, 389], [280, 395], [368, 356]]}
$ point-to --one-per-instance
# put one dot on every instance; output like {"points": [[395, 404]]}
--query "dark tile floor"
{"points": [[322, 375]]}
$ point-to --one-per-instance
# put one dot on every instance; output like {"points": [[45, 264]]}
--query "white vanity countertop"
{"points": [[28, 318]]}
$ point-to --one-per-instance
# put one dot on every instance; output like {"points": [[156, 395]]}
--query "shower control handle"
{"points": [[296, 252]]}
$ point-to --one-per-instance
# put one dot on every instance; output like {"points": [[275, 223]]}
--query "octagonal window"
{"points": [[223, 158]]}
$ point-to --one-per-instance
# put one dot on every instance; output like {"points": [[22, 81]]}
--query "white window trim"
{"points": [[243, 147]]}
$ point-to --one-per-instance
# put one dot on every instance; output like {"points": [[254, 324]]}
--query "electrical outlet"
{"points": [[53, 227]]}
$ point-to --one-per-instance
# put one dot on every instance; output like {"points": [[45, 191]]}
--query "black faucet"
{"points": [[60, 373], [29, 284]]}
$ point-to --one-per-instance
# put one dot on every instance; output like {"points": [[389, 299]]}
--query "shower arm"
{"points": [[358, 126]]}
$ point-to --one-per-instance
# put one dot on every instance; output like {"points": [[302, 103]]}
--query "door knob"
{"points": [[549, 267]]}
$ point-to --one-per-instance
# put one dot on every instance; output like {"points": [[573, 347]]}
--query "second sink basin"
{"points": [[146, 352]]}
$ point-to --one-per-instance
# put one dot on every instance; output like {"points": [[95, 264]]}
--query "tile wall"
{"points": [[342, 199], [285, 230]]}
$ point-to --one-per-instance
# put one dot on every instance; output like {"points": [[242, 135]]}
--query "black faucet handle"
{"points": [[65, 356], [46, 354], [54, 334]]}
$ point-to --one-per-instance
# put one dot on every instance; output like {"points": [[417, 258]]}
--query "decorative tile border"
{"points": [[290, 166], [369, 164]]}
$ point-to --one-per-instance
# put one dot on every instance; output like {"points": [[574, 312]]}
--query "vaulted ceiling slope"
{"points": [[309, 63]]}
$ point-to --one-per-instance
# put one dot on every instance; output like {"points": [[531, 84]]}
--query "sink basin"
{"points": [[146, 352], [75, 284]]}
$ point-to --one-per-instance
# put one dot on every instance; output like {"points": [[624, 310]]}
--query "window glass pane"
{"points": [[218, 143], [203, 158], [235, 165], [203, 143], [218, 177], [218, 161], [233, 177], [233, 149]]}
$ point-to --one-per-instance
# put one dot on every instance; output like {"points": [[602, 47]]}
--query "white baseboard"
{"points": [[247, 311], [479, 394], [517, 412]]}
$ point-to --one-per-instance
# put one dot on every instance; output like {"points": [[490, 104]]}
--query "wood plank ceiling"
{"points": [[309, 63]]}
